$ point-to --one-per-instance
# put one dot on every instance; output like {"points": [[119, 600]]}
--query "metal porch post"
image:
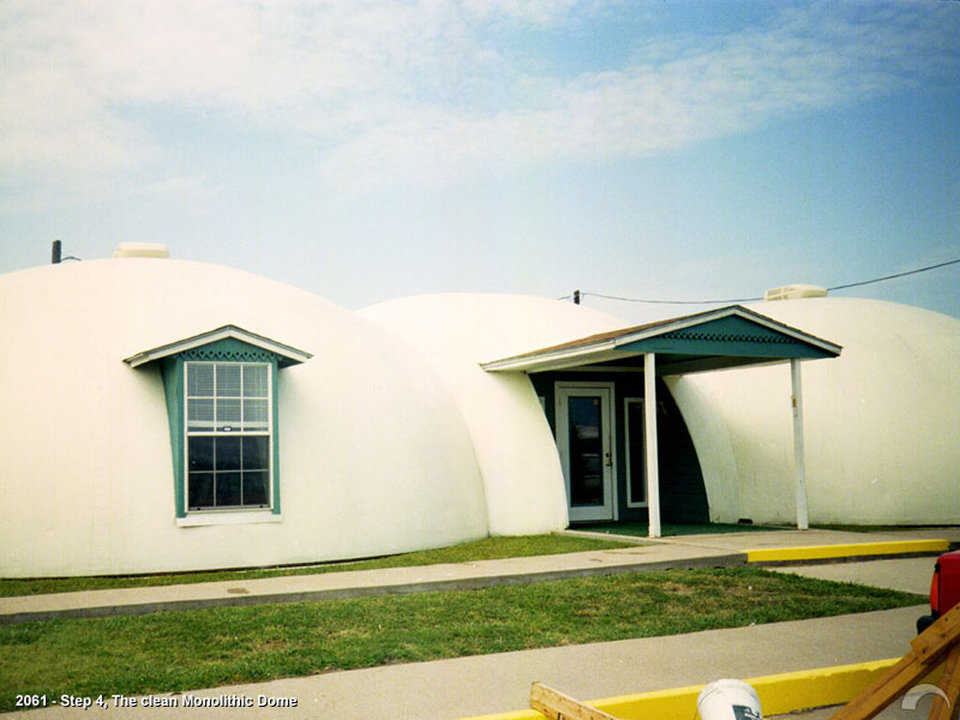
{"points": [[799, 469], [650, 438]]}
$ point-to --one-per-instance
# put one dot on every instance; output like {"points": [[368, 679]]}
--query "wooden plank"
{"points": [[557, 706], [900, 678], [950, 684], [927, 652], [938, 636]]}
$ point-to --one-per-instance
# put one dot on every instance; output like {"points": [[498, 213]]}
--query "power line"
{"points": [[671, 302], [728, 301], [890, 277]]}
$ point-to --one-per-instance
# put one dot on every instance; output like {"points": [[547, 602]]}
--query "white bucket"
{"points": [[729, 700]]}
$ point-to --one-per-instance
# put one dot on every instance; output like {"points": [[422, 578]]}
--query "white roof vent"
{"points": [[794, 292], [141, 250]]}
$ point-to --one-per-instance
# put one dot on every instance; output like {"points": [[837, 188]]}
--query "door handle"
{"points": [[609, 462]]}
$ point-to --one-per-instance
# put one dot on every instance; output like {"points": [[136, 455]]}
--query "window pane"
{"points": [[228, 489], [201, 490], [199, 379], [255, 414], [255, 488], [200, 453], [638, 484], [255, 380], [199, 414], [228, 380], [232, 468], [256, 453], [586, 447], [228, 413], [228, 453]]}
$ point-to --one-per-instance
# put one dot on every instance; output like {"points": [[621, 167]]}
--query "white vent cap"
{"points": [[141, 250], [794, 292]]}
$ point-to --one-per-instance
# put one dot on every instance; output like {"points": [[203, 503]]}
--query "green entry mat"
{"points": [[643, 530]]}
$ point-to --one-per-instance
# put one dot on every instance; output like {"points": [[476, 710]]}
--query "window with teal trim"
{"points": [[228, 435]]}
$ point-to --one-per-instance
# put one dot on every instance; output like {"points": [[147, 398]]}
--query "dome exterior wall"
{"points": [[375, 457], [881, 422], [514, 446]]}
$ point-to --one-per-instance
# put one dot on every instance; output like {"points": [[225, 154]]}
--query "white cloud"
{"points": [[398, 91], [804, 63], [536, 12]]}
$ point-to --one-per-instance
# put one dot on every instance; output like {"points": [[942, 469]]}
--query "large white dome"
{"points": [[374, 455], [881, 422], [514, 446], [393, 438]]}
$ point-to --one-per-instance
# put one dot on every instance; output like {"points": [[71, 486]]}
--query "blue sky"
{"points": [[372, 150]]}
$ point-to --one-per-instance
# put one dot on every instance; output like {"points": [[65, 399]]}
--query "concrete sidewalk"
{"points": [[761, 539], [720, 550], [478, 685], [362, 583], [464, 687]]}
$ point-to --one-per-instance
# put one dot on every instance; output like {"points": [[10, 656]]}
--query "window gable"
{"points": [[221, 392], [228, 350]]}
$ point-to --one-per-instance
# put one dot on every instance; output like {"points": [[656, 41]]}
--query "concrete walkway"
{"points": [[756, 539], [906, 574], [465, 687], [362, 583], [675, 552]]}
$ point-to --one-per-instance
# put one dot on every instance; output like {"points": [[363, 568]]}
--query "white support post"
{"points": [[650, 438], [799, 468]]}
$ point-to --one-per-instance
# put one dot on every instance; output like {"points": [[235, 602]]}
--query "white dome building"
{"points": [[513, 442], [162, 415], [261, 455], [882, 421], [553, 394]]}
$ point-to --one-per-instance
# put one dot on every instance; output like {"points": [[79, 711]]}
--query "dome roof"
{"points": [[881, 421], [486, 326], [512, 441], [374, 455]]}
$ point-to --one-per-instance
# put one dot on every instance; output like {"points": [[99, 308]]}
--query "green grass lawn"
{"points": [[487, 549], [172, 651]]}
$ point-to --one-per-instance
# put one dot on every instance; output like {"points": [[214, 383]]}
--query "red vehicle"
{"points": [[944, 588]]}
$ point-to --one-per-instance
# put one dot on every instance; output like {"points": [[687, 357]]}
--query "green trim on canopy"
{"points": [[730, 336]]}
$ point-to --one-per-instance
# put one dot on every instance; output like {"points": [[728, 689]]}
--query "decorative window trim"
{"points": [[285, 354], [175, 377], [227, 344]]}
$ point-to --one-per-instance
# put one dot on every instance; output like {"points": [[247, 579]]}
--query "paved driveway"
{"points": [[907, 574]]}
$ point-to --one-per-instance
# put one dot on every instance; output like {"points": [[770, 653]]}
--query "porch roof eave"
{"points": [[697, 343]]}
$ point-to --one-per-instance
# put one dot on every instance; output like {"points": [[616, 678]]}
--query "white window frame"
{"points": [[627, 401], [237, 513]]}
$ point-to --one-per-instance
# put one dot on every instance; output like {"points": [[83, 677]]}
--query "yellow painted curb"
{"points": [[818, 552], [779, 694]]}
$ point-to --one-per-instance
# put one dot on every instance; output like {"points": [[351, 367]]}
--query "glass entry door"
{"points": [[585, 442]]}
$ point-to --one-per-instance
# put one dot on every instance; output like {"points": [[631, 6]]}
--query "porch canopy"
{"points": [[728, 337]]}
